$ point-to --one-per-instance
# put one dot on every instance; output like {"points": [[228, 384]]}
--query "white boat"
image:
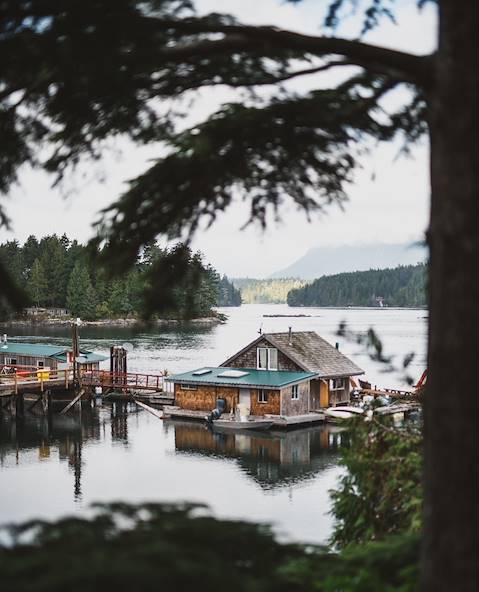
{"points": [[342, 413], [248, 424]]}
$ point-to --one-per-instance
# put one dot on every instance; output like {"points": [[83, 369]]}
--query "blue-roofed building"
{"points": [[32, 356]]}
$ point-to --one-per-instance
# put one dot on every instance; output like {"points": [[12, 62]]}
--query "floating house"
{"points": [[281, 374], [30, 356]]}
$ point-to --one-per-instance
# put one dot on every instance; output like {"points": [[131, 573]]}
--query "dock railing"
{"points": [[129, 381], [124, 381], [39, 377]]}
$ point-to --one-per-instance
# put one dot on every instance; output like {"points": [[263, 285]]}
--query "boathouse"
{"points": [[259, 392], [302, 351], [284, 374], [30, 356]]}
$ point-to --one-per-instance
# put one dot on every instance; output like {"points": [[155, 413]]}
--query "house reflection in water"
{"points": [[273, 459]]}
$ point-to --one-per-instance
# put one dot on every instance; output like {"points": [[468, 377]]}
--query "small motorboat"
{"points": [[342, 413], [246, 424]]}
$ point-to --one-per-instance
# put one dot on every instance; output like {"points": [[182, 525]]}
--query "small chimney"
{"points": [[4, 338], [337, 345], [290, 336]]}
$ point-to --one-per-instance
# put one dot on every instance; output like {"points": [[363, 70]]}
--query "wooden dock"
{"points": [[47, 385], [278, 420]]}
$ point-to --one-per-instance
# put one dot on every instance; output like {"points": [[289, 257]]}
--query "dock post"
{"points": [[20, 405], [45, 402]]}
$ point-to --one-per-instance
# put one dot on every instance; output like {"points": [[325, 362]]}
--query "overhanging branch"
{"points": [[244, 38]]}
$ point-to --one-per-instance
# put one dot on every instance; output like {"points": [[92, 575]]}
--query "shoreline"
{"points": [[208, 321]]}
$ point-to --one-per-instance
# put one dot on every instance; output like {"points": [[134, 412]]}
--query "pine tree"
{"points": [[81, 298], [37, 284]]}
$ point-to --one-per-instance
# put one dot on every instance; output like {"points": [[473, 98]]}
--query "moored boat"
{"points": [[248, 424], [342, 413]]}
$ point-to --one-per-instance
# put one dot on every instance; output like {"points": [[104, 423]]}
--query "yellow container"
{"points": [[43, 374]]}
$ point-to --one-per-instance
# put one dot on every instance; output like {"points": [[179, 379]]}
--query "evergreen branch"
{"points": [[244, 38], [278, 79]]}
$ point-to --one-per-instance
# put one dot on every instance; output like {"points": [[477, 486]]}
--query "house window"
{"points": [[11, 361], [262, 396], [295, 392], [188, 387], [337, 384], [267, 358], [272, 359]]}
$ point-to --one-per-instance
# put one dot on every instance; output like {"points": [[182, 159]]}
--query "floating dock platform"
{"points": [[279, 421]]}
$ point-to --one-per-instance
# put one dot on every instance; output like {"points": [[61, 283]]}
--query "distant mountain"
{"points": [[321, 261]]}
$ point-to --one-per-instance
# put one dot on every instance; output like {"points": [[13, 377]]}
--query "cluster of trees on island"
{"points": [[403, 286], [59, 272]]}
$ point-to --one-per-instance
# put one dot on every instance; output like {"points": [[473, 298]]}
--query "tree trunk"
{"points": [[451, 530]]}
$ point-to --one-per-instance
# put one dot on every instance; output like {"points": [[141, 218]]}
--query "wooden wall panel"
{"points": [[28, 360], [315, 398], [295, 407], [271, 407], [204, 397]]}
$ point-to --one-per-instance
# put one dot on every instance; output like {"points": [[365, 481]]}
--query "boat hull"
{"points": [[255, 424], [342, 414]]}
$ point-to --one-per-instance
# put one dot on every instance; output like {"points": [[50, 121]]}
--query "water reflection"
{"points": [[59, 435], [272, 459]]}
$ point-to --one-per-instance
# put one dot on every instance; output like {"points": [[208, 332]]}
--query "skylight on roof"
{"points": [[233, 374], [201, 372]]}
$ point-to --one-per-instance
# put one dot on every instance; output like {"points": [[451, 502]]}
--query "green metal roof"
{"points": [[273, 379], [46, 351], [89, 357], [31, 349]]}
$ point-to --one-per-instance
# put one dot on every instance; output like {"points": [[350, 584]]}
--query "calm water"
{"points": [[61, 464]]}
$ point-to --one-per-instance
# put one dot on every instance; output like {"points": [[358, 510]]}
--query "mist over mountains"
{"points": [[321, 261]]}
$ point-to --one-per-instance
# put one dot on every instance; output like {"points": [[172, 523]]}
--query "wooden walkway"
{"points": [[14, 384], [43, 380]]}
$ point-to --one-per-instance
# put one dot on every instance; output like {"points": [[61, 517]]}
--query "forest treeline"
{"points": [[403, 286], [269, 291], [59, 272]]}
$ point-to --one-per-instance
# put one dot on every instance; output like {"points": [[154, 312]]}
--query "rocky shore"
{"points": [[217, 319]]}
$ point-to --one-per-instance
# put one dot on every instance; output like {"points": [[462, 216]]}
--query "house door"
{"points": [[323, 394], [244, 401]]}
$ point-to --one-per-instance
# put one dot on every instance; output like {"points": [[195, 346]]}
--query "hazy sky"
{"points": [[388, 200]]}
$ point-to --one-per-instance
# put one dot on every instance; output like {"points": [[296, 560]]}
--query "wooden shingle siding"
{"points": [[295, 407], [248, 359], [204, 397], [272, 407]]}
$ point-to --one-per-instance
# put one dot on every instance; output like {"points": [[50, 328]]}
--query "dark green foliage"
{"points": [[402, 286], [228, 295], [154, 547], [381, 492], [57, 272]]}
